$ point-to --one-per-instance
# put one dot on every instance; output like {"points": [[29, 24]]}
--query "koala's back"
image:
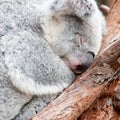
{"points": [[15, 15]]}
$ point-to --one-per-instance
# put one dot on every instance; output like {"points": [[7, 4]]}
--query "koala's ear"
{"points": [[105, 9]]}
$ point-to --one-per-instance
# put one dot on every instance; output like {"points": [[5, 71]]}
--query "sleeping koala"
{"points": [[43, 45]]}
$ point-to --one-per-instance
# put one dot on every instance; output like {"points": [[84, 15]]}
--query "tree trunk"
{"points": [[94, 82]]}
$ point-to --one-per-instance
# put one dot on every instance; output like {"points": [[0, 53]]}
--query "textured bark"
{"points": [[102, 108], [90, 85]]}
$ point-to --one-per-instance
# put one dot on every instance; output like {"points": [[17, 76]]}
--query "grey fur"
{"points": [[31, 51]]}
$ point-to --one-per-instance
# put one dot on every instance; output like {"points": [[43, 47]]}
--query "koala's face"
{"points": [[78, 63], [69, 39], [73, 47]]}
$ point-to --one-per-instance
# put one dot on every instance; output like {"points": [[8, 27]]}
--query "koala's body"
{"points": [[41, 43]]}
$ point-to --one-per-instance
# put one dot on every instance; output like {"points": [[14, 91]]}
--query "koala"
{"points": [[44, 44]]}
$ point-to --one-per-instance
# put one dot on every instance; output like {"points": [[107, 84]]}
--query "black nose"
{"points": [[91, 53]]}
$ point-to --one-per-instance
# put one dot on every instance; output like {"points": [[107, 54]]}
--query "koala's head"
{"points": [[71, 47]]}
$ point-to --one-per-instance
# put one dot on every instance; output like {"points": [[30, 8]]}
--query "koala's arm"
{"points": [[33, 67]]}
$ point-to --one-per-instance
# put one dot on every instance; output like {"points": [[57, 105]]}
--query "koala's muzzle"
{"points": [[79, 63], [84, 63]]}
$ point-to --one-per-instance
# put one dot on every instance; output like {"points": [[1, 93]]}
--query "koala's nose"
{"points": [[84, 62]]}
